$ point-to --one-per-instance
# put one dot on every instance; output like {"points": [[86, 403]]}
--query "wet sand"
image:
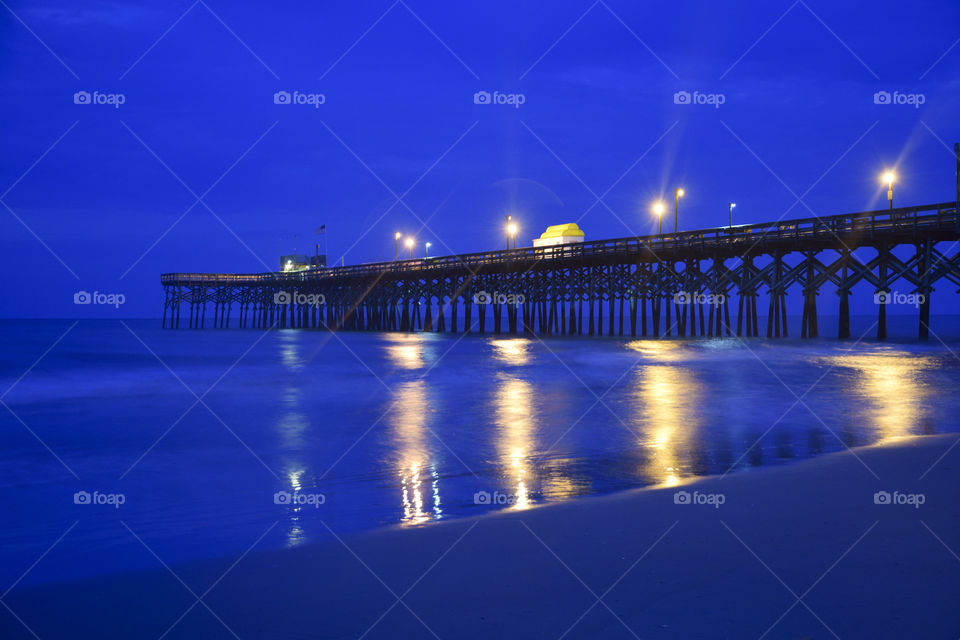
{"points": [[796, 551]]}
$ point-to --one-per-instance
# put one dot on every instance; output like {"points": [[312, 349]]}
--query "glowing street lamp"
{"points": [[410, 242], [512, 233], [509, 218], [658, 211], [677, 194], [426, 250], [396, 244], [732, 205], [888, 178]]}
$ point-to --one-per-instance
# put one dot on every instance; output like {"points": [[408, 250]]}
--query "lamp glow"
{"points": [[511, 232], [888, 179]]}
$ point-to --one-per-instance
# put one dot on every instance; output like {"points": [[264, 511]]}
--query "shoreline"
{"points": [[663, 569]]}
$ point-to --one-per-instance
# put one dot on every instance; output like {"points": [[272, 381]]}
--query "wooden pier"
{"points": [[679, 284]]}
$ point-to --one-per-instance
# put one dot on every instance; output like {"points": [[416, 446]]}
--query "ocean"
{"points": [[125, 446]]}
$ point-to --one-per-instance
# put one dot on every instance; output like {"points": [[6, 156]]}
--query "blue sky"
{"points": [[200, 170]]}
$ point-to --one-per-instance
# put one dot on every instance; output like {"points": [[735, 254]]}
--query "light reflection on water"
{"points": [[413, 457], [290, 345], [515, 429], [405, 351], [406, 429], [295, 532], [891, 383], [666, 422], [514, 409], [669, 411], [512, 351], [291, 426]]}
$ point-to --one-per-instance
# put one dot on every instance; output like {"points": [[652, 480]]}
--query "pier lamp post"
{"points": [[426, 250], [677, 194], [409, 243], [509, 218], [732, 205], [888, 178], [658, 211], [512, 233], [396, 244]]}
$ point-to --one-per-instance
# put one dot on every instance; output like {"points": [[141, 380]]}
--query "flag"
{"points": [[321, 229]]}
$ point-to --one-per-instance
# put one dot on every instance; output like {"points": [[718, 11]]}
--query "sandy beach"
{"points": [[796, 551]]}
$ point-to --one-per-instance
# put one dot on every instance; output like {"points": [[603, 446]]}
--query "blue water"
{"points": [[402, 430]]}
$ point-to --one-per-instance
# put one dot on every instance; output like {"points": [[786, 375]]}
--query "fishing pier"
{"points": [[679, 284]]}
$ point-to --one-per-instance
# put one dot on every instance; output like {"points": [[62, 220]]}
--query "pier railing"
{"points": [[867, 226]]}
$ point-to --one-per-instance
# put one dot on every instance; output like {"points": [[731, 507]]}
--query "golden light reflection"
{"points": [[405, 352], [666, 396], [513, 352], [419, 502], [557, 484], [660, 351], [513, 404], [891, 386]]}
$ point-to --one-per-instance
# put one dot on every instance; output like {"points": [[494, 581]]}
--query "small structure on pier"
{"points": [[559, 234], [302, 262]]}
